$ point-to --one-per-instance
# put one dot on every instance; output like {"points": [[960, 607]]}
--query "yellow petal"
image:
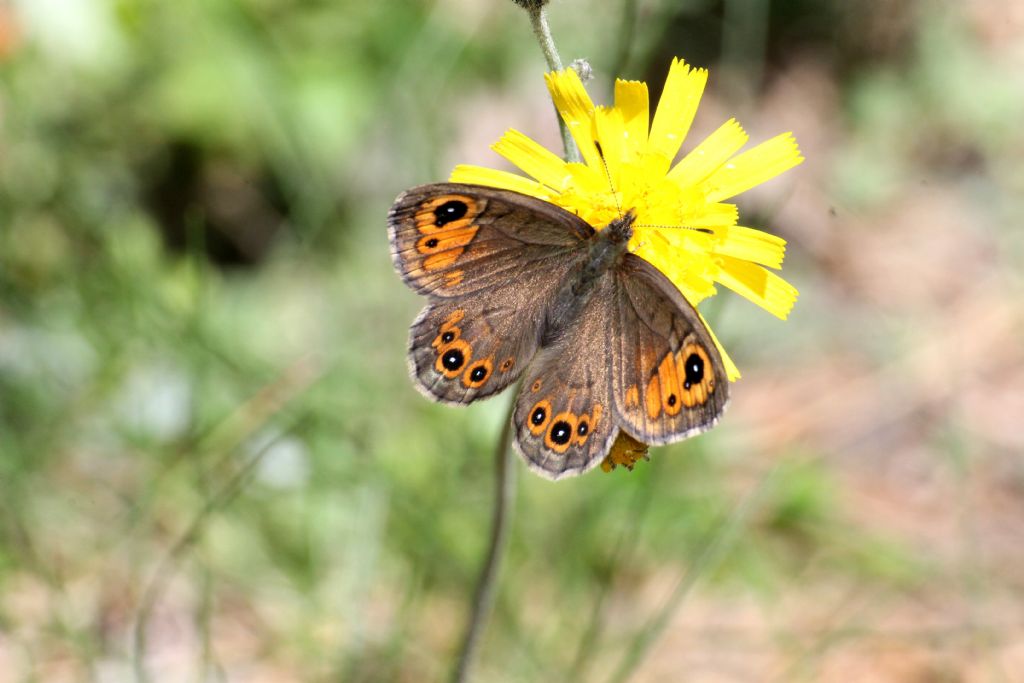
{"points": [[676, 108], [577, 110], [632, 100], [748, 244], [710, 154], [731, 371], [478, 175], [753, 167], [712, 216], [533, 158], [610, 131], [763, 287]]}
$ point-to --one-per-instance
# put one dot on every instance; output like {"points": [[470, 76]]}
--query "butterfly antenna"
{"points": [[608, 175], [706, 231]]}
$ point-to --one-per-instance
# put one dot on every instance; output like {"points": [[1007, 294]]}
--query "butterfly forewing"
{"points": [[667, 375], [449, 240]]}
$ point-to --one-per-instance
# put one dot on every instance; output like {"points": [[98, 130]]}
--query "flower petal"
{"points": [[763, 287], [533, 158], [753, 167], [712, 216], [710, 154], [479, 175], [731, 371], [676, 108], [632, 100], [749, 244], [577, 110], [610, 129]]}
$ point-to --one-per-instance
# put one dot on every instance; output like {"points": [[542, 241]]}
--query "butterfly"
{"points": [[520, 288]]}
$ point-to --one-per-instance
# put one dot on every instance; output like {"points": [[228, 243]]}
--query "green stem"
{"points": [[483, 596], [539, 23]]}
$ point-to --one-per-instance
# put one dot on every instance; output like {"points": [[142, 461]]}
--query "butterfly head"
{"points": [[621, 229]]}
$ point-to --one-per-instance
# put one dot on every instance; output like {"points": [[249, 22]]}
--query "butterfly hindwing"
{"points": [[564, 421], [668, 379], [448, 239], [472, 347]]}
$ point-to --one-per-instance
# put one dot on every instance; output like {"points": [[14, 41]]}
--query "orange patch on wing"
{"points": [[448, 327], [652, 398], [426, 217], [669, 384], [632, 397], [536, 386], [442, 260], [446, 239], [696, 393], [507, 364], [453, 279]]}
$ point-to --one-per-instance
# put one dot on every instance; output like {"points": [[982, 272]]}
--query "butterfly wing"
{"points": [[490, 261], [668, 379], [449, 240], [473, 346], [564, 418]]}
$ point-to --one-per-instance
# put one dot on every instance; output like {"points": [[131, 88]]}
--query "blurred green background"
{"points": [[214, 468]]}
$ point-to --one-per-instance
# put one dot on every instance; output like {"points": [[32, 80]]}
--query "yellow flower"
{"points": [[684, 226]]}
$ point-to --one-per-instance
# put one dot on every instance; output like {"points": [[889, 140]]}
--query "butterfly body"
{"points": [[521, 289], [605, 252]]}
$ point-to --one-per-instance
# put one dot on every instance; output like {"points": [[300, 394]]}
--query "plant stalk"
{"points": [[487, 583]]}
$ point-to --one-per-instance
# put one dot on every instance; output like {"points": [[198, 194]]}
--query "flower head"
{"points": [[684, 225]]}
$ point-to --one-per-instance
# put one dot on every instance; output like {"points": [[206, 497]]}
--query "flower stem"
{"points": [[539, 23], [483, 596]]}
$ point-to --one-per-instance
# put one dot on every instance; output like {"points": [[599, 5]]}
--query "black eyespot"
{"points": [[448, 336], [561, 432], [671, 400], [453, 359], [538, 416], [694, 370], [583, 428], [431, 243], [477, 373], [450, 211]]}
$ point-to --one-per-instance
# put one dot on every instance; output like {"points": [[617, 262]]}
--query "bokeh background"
{"points": [[214, 468]]}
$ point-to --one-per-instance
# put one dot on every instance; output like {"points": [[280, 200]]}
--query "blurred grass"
{"points": [[203, 398]]}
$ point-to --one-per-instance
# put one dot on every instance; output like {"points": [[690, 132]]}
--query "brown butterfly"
{"points": [[518, 287]]}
